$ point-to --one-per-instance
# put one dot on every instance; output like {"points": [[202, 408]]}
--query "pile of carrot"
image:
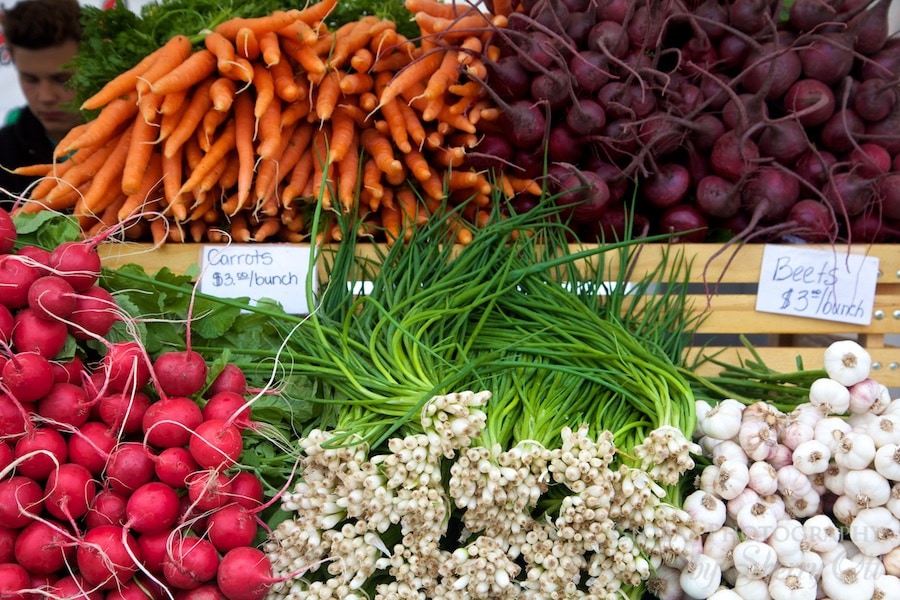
{"points": [[238, 138]]}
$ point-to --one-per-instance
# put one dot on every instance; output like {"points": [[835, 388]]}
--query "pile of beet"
{"points": [[118, 473], [746, 119]]}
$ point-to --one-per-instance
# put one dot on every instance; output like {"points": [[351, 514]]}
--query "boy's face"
{"points": [[43, 81]]}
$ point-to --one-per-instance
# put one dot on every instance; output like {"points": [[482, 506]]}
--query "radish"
{"points": [[231, 526], [180, 373], [106, 556], [69, 491], [154, 549], [13, 417], [124, 411], [170, 421], [173, 465], [75, 587], [77, 262], [126, 366], [33, 333], [64, 405], [39, 452], [15, 582], [245, 573], [16, 276], [27, 376], [44, 547], [20, 499], [207, 591], [228, 406], [90, 445], [8, 537], [191, 562], [6, 457], [247, 489], [8, 234], [215, 443], [6, 324], [230, 379], [209, 489], [94, 314], [107, 508], [129, 467], [70, 371], [152, 508], [51, 297]]}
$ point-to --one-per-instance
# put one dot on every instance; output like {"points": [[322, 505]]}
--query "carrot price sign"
{"points": [[273, 271], [832, 284]]}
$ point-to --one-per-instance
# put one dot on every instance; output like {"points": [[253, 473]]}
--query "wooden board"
{"points": [[781, 340]]}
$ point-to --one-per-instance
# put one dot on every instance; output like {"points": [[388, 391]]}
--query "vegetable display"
{"points": [[719, 119]]}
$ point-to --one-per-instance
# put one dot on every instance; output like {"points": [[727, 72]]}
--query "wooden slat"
{"points": [[728, 313]]}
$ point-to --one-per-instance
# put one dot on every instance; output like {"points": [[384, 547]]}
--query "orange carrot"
{"points": [[410, 75], [362, 60], [396, 124], [329, 92], [173, 53], [169, 122], [414, 127], [172, 102], [317, 12], [417, 164], [391, 62], [356, 36], [301, 174], [284, 81], [105, 126], [123, 83], [355, 83], [343, 135], [392, 223], [198, 105], [295, 111], [246, 44], [380, 149], [323, 183], [229, 177], [265, 89], [299, 31], [139, 151], [274, 21], [143, 195], [371, 183], [197, 67], [306, 57], [296, 146], [244, 128], [80, 173], [446, 74], [436, 8], [172, 170], [269, 131], [72, 135], [211, 122], [242, 70], [222, 48], [221, 93], [348, 176], [269, 48], [106, 183], [217, 153], [455, 28]]}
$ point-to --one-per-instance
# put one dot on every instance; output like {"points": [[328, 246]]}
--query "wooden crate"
{"points": [[781, 340]]}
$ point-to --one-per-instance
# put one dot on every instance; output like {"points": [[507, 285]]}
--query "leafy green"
{"points": [[46, 229]]}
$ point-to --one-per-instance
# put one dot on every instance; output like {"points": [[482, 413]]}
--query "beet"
{"points": [[732, 157], [810, 101], [666, 186], [564, 145], [875, 98], [785, 141], [686, 222], [813, 168], [717, 197], [771, 191], [884, 132], [585, 117], [887, 190], [508, 78], [839, 132], [805, 15], [849, 193], [885, 63], [771, 69], [827, 57], [609, 37], [870, 28], [589, 70], [814, 221]]}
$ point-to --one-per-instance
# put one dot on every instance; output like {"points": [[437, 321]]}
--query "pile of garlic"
{"points": [[802, 505]]}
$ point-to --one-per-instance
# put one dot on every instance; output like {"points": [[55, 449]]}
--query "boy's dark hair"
{"points": [[39, 24]]}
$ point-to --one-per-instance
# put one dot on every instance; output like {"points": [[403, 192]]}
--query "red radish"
{"points": [[207, 591], [33, 333], [65, 404], [16, 276], [6, 324], [75, 587], [126, 366], [70, 371], [21, 498], [170, 421], [51, 297], [13, 417], [209, 489], [245, 573], [107, 508], [129, 467], [106, 556], [8, 234], [90, 445], [215, 443], [230, 379], [44, 547], [154, 549], [27, 376], [8, 537], [173, 465], [192, 561], [94, 314], [39, 452], [37, 254], [15, 582], [229, 406], [137, 588], [69, 491], [124, 411], [77, 262], [231, 526], [180, 373], [6, 457], [247, 489], [152, 508]]}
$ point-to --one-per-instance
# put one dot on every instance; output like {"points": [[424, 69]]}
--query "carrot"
{"points": [[244, 127], [148, 107], [371, 183], [274, 21], [123, 83], [174, 52], [295, 111], [211, 121], [197, 107], [80, 173], [159, 230], [432, 108], [379, 148], [436, 8], [446, 74], [329, 92], [222, 48], [37, 170], [348, 176], [172, 102], [228, 178], [142, 196], [72, 135], [449, 157], [396, 124], [246, 44], [322, 181], [301, 174], [221, 93], [267, 228], [306, 57], [418, 165], [269, 132], [212, 177], [317, 12], [242, 70], [105, 126], [355, 83], [392, 62], [172, 170], [284, 81], [140, 149], [240, 230], [299, 31], [197, 67], [470, 47], [343, 135], [218, 152], [265, 89], [297, 144], [356, 35], [368, 101], [392, 223], [169, 122], [269, 48], [362, 60], [414, 127], [410, 75], [107, 182]]}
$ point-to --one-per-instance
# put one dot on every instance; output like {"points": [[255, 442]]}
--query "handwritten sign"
{"points": [[274, 271], [820, 284]]}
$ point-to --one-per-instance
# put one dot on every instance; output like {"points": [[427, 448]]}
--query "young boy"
{"points": [[42, 36]]}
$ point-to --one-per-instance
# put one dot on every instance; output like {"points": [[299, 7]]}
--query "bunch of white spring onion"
{"points": [[800, 504], [439, 516]]}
